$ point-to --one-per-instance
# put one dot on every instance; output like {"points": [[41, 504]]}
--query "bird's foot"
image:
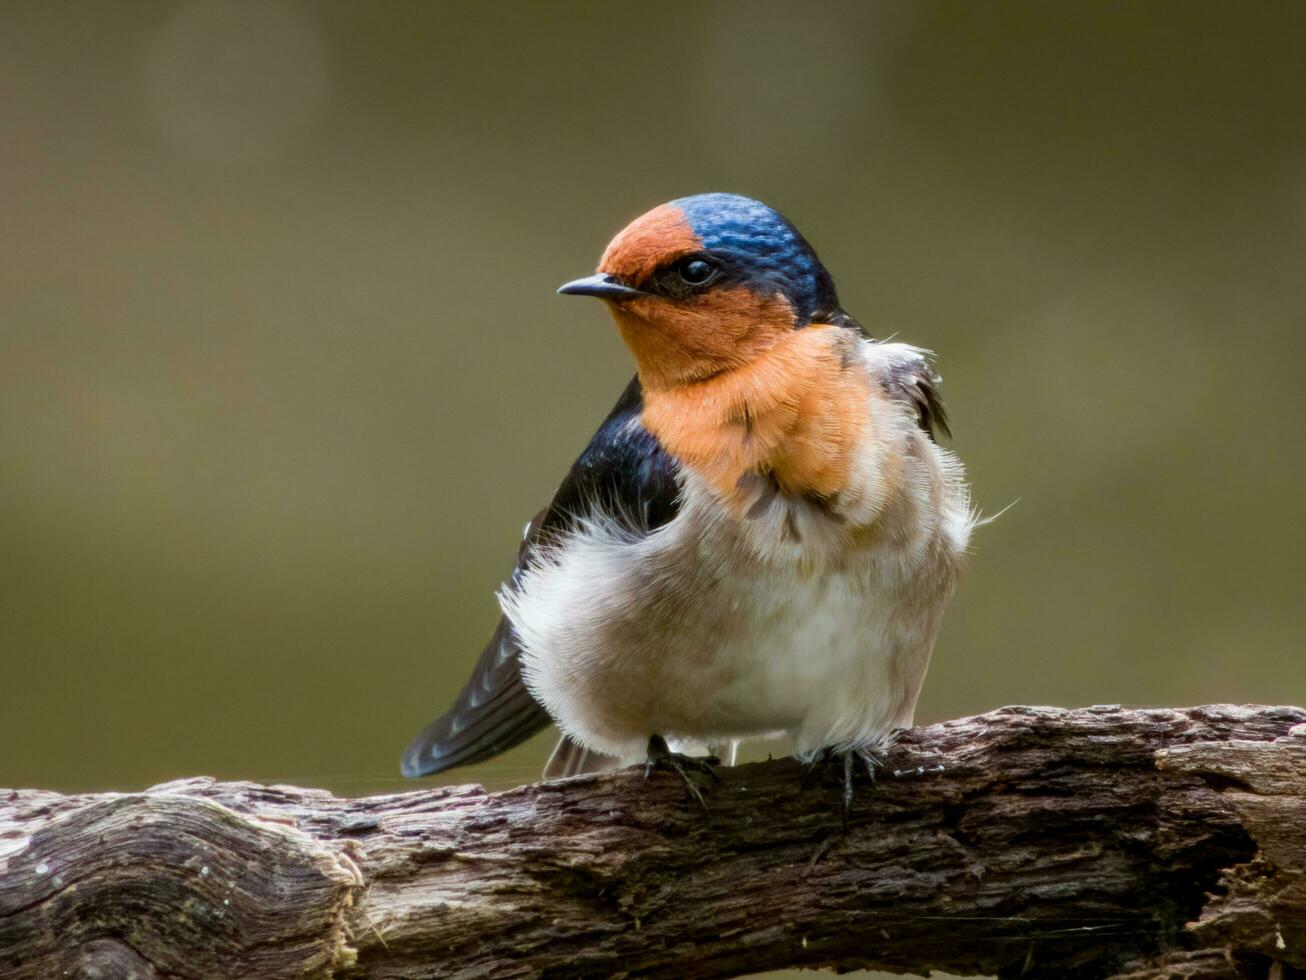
{"points": [[685, 766], [872, 759]]}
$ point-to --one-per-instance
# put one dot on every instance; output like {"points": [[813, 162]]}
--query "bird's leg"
{"points": [[820, 764], [872, 758], [661, 757]]}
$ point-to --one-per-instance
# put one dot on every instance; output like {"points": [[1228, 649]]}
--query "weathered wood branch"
{"points": [[1027, 842]]}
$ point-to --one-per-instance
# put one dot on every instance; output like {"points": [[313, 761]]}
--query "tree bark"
{"points": [[1033, 842]]}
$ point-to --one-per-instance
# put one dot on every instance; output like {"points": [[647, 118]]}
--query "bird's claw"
{"points": [[872, 759], [661, 757]]}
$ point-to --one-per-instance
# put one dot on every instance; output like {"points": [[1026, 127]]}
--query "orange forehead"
{"points": [[650, 241]]}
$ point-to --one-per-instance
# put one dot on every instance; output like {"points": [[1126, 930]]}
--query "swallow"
{"points": [[760, 539]]}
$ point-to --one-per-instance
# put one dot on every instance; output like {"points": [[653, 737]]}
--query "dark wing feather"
{"points": [[623, 473], [921, 385], [913, 379]]}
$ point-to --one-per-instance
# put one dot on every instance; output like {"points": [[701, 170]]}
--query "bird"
{"points": [[759, 540]]}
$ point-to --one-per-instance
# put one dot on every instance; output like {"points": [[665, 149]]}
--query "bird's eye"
{"points": [[684, 277], [696, 272]]}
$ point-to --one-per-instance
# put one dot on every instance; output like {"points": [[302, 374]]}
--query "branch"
{"points": [[1030, 841]]}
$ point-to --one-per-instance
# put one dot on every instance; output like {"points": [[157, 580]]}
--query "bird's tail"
{"points": [[570, 758]]}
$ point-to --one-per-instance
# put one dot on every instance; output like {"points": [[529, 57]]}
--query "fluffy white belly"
{"points": [[711, 629], [813, 655], [755, 611]]}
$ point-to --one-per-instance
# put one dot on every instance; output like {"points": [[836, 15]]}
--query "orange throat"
{"points": [[795, 412]]}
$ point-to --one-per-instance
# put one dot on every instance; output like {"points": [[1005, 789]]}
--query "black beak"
{"points": [[602, 285]]}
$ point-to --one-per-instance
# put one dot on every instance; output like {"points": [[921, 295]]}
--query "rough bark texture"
{"points": [[1027, 842]]}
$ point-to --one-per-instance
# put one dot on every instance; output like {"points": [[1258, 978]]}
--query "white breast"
{"points": [[816, 620]]}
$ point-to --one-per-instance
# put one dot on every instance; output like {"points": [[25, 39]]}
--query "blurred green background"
{"points": [[282, 374]]}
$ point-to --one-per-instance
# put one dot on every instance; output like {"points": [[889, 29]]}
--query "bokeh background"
{"points": [[282, 373]]}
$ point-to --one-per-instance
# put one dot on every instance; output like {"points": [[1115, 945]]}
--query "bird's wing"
{"points": [[624, 474], [908, 375]]}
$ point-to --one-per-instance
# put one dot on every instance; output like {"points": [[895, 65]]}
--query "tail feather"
{"points": [[439, 746], [570, 758], [493, 713]]}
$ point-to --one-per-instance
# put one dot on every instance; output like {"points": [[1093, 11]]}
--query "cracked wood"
{"points": [[1036, 842]]}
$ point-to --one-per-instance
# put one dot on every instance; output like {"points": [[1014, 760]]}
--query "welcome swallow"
{"points": [[761, 537]]}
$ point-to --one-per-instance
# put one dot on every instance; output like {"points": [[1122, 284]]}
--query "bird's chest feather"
{"points": [[799, 587], [794, 419]]}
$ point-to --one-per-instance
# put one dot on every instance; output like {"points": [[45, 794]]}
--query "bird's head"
{"points": [[705, 284]]}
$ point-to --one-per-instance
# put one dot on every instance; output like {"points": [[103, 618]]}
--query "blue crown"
{"points": [[766, 250]]}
